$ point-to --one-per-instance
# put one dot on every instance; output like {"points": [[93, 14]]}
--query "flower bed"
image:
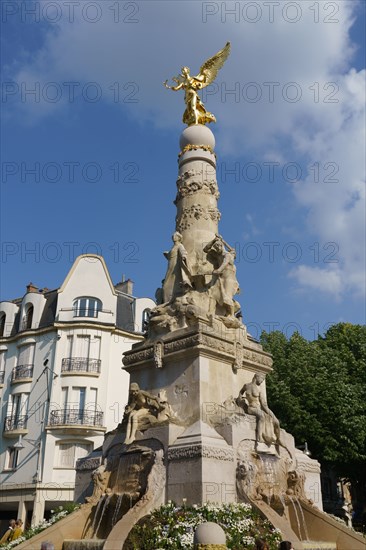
{"points": [[172, 527]]}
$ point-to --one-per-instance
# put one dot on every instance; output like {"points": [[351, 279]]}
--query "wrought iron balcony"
{"points": [[13, 423], [76, 417], [21, 371], [2, 377], [81, 364]]}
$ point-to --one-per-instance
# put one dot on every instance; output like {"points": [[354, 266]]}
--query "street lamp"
{"points": [[304, 448]]}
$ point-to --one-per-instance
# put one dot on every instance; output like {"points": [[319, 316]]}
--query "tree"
{"points": [[318, 391]]}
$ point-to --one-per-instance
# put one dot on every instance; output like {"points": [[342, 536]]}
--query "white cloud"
{"points": [[328, 281], [326, 125]]}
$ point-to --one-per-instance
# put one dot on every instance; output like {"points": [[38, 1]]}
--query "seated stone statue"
{"points": [[252, 399], [144, 410], [140, 406]]}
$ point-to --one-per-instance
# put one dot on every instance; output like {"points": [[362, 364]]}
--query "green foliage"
{"points": [[172, 527], [318, 391]]}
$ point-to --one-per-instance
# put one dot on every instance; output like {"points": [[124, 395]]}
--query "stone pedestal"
{"points": [[201, 373], [201, 467], [202, 366], [211, 452]]}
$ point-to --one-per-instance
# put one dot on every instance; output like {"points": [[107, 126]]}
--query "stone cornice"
{"points": [[204, 343]]}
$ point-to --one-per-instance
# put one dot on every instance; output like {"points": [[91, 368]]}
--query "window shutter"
{"points": [[66, 454]]}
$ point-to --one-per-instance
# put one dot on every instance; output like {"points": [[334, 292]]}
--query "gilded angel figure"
{"points": [[195, 112]]}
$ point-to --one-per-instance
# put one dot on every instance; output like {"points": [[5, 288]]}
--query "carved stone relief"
{"points": [[194, 181], [158, 354], [193, 213], [200, 451]]}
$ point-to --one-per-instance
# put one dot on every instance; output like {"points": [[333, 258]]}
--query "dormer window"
{"points": [[145, 319], [2, 324], [28, 317], [87, 307]]}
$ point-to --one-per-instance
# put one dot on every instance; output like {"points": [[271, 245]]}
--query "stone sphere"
{"points": [[209, 533], [197, 135]]}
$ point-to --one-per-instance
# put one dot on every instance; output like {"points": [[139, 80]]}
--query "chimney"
{"points": [[125, 286], [32, 288]]}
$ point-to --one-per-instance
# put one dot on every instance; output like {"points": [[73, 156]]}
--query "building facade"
{"points": [[61, 382]]}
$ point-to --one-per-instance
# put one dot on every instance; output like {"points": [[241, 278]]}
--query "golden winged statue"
{"points": [[195, 112]]}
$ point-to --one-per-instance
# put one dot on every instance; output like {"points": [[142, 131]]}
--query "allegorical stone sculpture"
{"points": [[252, 398], [144, 410], [224, 285], [139, 407], [178, 275], [195, 112]]}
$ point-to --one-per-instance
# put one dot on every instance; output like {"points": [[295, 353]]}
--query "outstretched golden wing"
{"points": [[212, 66]]}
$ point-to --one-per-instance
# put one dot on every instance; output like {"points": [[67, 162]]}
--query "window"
{"points": [[24, 368], [83, 346], [16, 416], [80, 394], [2, 325], [11, 458], [69, 453], [28, 317], [92, 403], [64, 398], [69, 346], [74, 408], [145, 319], [87, 307], [2, 366], [87, 346]]}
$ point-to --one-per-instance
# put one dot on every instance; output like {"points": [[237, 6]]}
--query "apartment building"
{"points": [[62, 385]]}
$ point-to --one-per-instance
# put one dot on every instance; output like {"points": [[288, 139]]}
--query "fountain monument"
{"points": [[197, 426]]}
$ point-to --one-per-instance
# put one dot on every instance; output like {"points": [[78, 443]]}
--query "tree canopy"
{"points": [[318, 392]]}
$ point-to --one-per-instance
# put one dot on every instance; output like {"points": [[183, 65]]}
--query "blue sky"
{"points": [[101, 135]]}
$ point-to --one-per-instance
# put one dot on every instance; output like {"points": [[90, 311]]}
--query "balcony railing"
{"points": [[2, 376], [15, 423], [76, 417], [81, 364], [21, 371]]}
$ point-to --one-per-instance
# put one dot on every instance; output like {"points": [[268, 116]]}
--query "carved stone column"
{"points": [[197, 213]]}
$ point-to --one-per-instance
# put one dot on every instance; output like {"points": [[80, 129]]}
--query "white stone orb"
{"points": [[209, 533], [197, 135]]}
